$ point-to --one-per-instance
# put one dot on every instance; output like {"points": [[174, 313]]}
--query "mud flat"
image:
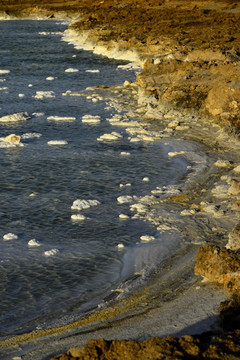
{"points": [[188, 97]]}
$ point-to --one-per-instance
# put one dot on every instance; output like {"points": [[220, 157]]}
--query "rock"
{"points": [[230, 312], [219, 265]]}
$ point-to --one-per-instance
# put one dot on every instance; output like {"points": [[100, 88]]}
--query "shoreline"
{"points": [[208, 206]]}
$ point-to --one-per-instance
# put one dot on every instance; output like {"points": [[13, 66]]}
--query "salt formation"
{"points": [[84, 204], [110, 137], [50, 78], [147, 238], [33, 243], [57, 142], [124, 199], [40, 95], [71, 70], [93, 71], [13, 139], [3, 72], [31, 135], [125, 153], [21, 116], [123, 216], [91, 119], [10, 236], [51, 252], [61, 118], [78, 217]]}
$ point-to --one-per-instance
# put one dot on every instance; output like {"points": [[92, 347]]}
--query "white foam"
{"points": [[40, 95], [10, 236], [93, 71], [124, 199], [51, 252], [50, 78], [57, 142], [31, 135], [78, 217], [125, 153], [61, 118], [84, 204], [110, 137], [147, 238], [91, 119], [3, 72], [71, 70], [21, 116], [33, 243]]}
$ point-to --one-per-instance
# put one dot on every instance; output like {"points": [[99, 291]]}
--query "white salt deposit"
{"points": [[124, 199], [140, 208], [40, 95], [172, 153], [57, 142], [21, 116], [30, 85], [61, 118], [222, 163], [120, 246], [50, 78], [10, 236], [125, 185], [2, 80], [110, 137], [51, 252], [125, 153], [188, 212], [3, 72], [31, 135], [237, 169], [84, 204], [5, 88], [21, 96], [33, 243], [71, 70], [146, 179], [147, 238], [78, 217], [94, 100], [93, 71], [38, 114], [123, 216], [91, 119]]}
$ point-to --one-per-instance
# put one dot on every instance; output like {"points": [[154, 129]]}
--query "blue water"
{"points": [[40, 182]]}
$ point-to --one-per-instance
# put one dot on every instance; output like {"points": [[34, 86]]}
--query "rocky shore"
{"points": [[189, 52]]}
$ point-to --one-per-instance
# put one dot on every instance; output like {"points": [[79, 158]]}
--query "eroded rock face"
{"points": [[205, 346], [219, 265]]}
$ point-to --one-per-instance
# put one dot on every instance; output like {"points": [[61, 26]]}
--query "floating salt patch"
{"points": [[33, 243], [222, 163], [93, 71], [57, 142], [125, 153], [187, 212], [146, 179], [61, 118], [110, 137], [3, 72], [124, 199], [74, 56], [172, 153], [129, 66], [40, 95], [91, 119], [21, 116], [84, 204], [123, 216], [5, 88], [135, 139], [38, 114], [50, 78], [124, 185], [68, 92], [147, 238], [71, 70], [78, 217], [30, 85], [94, 100], [140, 208], [10, 236], [51, 252], [21, 96], [120, 246], [31, 135]]}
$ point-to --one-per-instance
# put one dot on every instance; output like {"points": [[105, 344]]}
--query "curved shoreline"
{"points": [[206, 206]]}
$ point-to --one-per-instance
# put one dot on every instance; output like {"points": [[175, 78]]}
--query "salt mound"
{"points": [[84, 204], [21, 96], [10, 236], [125, 153], [124, 199], [57, 142], [110, 137], [13, 139], [3, 72], [50, 78], [91, 119], [78, 217], [147, 238], [123, 216], [21, 116], [38, 114], [93, 71], [71, 70], [31, 135], [61, 118], [40, 95], [33, 243], [51, 252]]}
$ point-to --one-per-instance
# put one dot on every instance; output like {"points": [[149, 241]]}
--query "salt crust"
{"points": [[84, 204], [147, 238], [91, 119], [222, 163], [21, 116], [61, 118], [3, 72], [50, 78], [11, 140], [78, 217], [172, 153], [123, 216], [125, 153], [57, 142], [71, 70], [237, 169], [33, 243], [40, 95], [10, 236], [110, 137], [31, 135], [93, 71], [51, 252], [120, 246], [125, 185], [38, 114], [124, 199]]}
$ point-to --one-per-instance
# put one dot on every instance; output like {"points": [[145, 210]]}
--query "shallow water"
{"points": [[75, 260]]}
